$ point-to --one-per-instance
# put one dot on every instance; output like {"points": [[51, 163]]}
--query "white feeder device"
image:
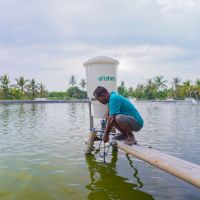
{"points": [[100, 71]]}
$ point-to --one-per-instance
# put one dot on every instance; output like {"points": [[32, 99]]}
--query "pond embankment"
{"points": [[43, 101]]}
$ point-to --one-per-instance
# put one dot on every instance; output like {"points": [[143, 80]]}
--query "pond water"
{"points": [[42, 154]]}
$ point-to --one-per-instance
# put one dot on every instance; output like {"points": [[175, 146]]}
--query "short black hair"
{"points": [[99, 91]]}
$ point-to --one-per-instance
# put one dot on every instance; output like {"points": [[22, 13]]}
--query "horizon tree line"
{"points": [[22, 89], [157, 88], [153, 88], [30, 89]]}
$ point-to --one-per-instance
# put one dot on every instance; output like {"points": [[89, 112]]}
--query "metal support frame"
{"points": [[90, 115]]}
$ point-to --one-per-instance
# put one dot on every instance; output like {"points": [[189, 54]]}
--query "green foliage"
{"points": [[42, 91], [139, 91], [122, 90], [4, 85], [16, 93], [76, 93], [23, 89], [21, 83], [154, 88], [32, 88], [57, 95]]}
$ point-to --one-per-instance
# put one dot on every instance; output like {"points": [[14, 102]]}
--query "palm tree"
{"points": [[4, 86], [72, 81], [21, 83], [197, 84], [32, 88], [122, 90], [83, 83], [188, 87], [175, 83], [149, 89], [150, 84], [130, 91], [139, 90], [122, 84], [159, 82], [41, 90]]}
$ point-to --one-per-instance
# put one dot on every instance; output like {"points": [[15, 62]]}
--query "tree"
{"points": [[75, 92], [160, 83], [130, 92], [41, 90], [72, 81], [187, 87], [83, 83], [32, 88], [149, 89], [122, 89], [197, 85], [4, 85], [21, 83], [122, 84], [139, 91], [15, 93], [175, 83], [57, 95]]}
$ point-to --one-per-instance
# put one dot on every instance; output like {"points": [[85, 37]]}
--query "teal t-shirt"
{"points": [[120, 105]]}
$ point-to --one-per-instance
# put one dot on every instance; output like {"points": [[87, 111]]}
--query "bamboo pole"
{"points": [[90, 142], [180, 168]]}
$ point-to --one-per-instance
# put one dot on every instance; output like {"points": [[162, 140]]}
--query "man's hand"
{"points": [[105, 138], [109, 126]]}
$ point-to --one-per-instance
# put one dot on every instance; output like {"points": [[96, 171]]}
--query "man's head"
{"points": [[101, 94]]}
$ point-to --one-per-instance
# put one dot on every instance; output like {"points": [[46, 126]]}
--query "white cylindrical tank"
{"points": [[100, 71]]}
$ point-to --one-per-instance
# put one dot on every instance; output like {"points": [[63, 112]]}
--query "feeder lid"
{"points": [[100, 59]]}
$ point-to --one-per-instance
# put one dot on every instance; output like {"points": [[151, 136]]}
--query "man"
{"points": [[122, 115]]}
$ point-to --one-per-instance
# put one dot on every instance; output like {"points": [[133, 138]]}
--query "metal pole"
{"points": [[92, 132], [90, 116]]}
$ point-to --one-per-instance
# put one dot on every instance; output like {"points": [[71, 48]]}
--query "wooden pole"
{"points": [[180, 168]]}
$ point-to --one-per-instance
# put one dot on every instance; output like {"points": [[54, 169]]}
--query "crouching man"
{"points": [[122, 115]]}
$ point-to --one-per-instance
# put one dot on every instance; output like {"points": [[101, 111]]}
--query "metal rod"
{"points": [[90, 116]]}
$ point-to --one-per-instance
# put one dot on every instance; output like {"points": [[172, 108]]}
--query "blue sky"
{"points": [[49, 40]]}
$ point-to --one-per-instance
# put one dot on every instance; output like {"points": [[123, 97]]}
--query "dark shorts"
{"points": [[134, 125]]}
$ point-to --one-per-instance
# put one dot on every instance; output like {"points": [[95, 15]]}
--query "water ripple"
{"points": [[41, 146]]}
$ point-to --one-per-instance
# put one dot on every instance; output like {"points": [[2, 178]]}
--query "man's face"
{"points": [[102, 99]]}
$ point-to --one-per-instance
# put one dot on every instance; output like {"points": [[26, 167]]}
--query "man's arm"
{"points": [[106, 116], [110, 124]]}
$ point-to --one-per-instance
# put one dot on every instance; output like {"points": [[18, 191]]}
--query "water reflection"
{"points": [[5, 114], [107, 184], [135, 174]]}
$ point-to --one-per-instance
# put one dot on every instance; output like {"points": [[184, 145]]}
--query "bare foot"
{"points": [[130, 141]]}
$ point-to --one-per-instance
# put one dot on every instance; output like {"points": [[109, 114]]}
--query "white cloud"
{"points": [[49, 40]]}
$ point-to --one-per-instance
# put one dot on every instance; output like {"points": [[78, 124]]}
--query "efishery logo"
{"points": [[106, 78]]}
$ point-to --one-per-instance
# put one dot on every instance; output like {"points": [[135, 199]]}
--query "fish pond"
{"points": [[42, 154]]}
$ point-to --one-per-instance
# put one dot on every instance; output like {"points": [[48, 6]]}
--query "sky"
{"points": [[49, 40]]}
